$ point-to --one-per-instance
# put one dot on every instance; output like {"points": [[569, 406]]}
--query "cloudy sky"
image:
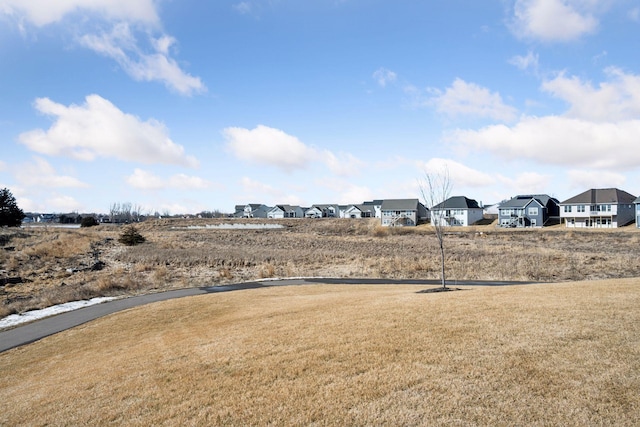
{"points": [[190, 105]]}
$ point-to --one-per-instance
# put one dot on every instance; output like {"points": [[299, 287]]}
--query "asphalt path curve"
{"points": [[42, 328]]}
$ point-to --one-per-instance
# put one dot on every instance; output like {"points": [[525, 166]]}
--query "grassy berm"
{"points": [[42, 266]]}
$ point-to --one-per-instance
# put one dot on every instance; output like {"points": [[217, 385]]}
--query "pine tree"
{"points": [[10, 214]]}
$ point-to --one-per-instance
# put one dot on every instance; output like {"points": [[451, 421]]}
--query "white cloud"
{"points": [[383, 76], [345, 192], [258, 188], [598, 131], [559, 140], [554, 20], [243, 7], [459, 174], [527, 183], [45, 12], [99, 129], [613, 100], [634, 14], [581, 179], [268, 146], [469, 99], [259, 192], [63, 203], [40, 173], [186, 182], [145, 180], [529, 62], [344, 164], [121, 46]]}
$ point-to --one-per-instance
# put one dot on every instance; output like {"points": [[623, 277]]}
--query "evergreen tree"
{"points": [[10, 214]]}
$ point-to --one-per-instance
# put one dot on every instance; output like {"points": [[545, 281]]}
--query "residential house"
{"points": [[456, 211], [528, 211], [402, 212], [598, 208], [252, 210], [377, 206], [285, 211], [323, 211], [636, 202], [47, 218], [360, 211]]}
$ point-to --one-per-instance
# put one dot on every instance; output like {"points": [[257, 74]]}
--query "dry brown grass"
{"points": [[561, 354], [55, 263]]}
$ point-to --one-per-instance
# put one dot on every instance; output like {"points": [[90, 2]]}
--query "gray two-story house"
{"points": [[402, 212], [534, 210], [599, 208]]}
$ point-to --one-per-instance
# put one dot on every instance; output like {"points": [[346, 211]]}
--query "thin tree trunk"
{"points": [[442, 274]]}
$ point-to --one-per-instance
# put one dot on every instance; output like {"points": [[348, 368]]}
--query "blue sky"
{"points": [[184, 106]]}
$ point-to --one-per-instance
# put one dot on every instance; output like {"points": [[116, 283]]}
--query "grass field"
{"points": [[57, 265], [548, 354]]}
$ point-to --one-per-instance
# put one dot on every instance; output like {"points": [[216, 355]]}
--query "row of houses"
{"points": [[594, 208], [392, 212]]}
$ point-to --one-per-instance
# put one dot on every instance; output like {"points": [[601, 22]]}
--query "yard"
{"points": [[548, 354]]}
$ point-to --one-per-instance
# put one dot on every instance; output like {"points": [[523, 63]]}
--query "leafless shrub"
{"points": [[267, 271], [225, 273], [380, 231]]}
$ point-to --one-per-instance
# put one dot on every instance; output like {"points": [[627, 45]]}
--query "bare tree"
{"points": [[435, 190], [114, 210]]}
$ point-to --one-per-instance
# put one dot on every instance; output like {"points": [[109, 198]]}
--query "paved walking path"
{"points": [[39, 329]]}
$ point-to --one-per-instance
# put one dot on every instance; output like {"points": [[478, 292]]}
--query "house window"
{"points": [[580, 208], [533, 211], [567, 208]]}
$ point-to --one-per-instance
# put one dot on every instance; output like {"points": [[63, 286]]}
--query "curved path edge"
{"points": [[34, 331]]}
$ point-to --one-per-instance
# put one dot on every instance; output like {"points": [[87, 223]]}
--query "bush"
{"points": [[131, 237], [88, 221]]}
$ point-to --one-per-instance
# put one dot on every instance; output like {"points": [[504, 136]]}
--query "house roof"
{"points": [[458, 202], [325, 206], [522, 200], [601, 196], [637, 200], [400, 204]]}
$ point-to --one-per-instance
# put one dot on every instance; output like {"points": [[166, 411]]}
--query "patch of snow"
{"points": [[28, 316]]}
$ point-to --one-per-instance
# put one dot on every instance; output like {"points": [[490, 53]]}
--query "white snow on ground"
{"points": [[28, 316]]}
